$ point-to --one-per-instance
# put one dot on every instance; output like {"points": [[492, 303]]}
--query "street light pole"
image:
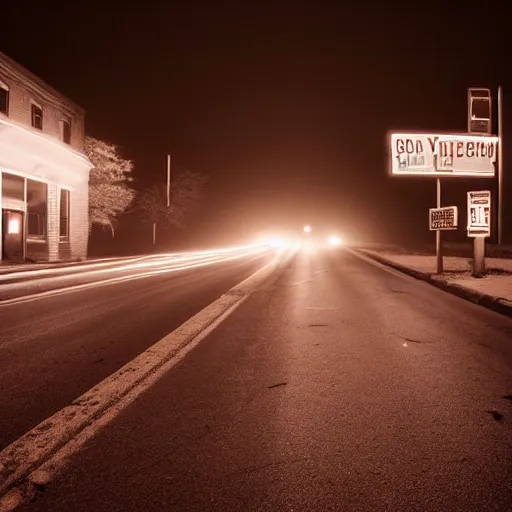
{"points": [[168, 181], [439, 240], [500, 165]]}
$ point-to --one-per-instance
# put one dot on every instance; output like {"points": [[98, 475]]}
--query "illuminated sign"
{"points": [[443, 218], [479, 213], [443, 155], [13, 227]]}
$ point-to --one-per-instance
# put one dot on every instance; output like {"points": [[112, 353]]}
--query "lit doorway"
{"points": [[12, 235]]}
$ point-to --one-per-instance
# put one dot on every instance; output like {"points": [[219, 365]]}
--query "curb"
{"points": [[502, 306]]}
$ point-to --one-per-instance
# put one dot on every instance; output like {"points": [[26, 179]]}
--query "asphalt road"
{"points": [[337, 386], [55, 348]]}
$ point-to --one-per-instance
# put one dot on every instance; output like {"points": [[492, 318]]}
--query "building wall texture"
{"points": [[79, 222], [42, 155], [26, 88]]}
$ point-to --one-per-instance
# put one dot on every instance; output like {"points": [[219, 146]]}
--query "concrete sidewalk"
{"points": [[494, 291]]}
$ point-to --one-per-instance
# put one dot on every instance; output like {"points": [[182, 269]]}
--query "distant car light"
{"points": [[334, 241], [278, 243]]}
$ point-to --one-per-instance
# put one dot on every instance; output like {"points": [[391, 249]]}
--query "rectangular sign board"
{"points": [[479, 111], [443, 155], [479, 213], [443, 218]]}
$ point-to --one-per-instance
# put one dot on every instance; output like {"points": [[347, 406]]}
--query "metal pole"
{"points": [[154, 233], [168, 181], [439, 241], [500, 165], [478, 256]]}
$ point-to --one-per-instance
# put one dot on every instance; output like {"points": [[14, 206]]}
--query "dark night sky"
{"points": [[284, 104]]}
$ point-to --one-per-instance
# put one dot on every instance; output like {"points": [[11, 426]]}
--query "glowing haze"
{"points": [[285, 106]]}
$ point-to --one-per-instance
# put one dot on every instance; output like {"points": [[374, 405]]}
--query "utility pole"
{"points": [[500, 165], [168, 181], [168, 193], [439, 240]]}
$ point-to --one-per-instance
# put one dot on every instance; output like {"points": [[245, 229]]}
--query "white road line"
{"points": [[383, 266], [36, 457]]}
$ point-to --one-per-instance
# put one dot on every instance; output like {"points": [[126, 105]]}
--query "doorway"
{"points": [[12, 235]]}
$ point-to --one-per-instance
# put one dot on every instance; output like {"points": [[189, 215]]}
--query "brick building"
{"points": [[44, 173]]}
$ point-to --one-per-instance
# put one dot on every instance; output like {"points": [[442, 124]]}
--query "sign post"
{"points": [[439, 240], [479, 226], [478, 256], [472, 154], [441, 219], [500, 165], [444, 155]]}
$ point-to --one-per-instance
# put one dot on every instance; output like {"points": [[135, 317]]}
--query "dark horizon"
{"points": [[284, 107]]}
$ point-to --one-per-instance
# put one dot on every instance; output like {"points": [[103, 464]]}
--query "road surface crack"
{"points": [[277, 385], [411, 340], [496, 415]]}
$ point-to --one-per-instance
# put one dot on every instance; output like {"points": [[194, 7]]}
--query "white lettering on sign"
{"points": [[443, 218], [443, 155]]}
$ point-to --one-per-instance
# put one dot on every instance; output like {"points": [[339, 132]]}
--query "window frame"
{"points": [[65, 238], [44, 236], [6, 88], [5, 176], [62, 123], [34, 104]]}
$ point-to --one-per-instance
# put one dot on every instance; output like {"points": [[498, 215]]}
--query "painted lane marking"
{"points": [[37, 456]]}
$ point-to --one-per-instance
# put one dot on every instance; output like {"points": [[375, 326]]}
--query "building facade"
{"points": [[44, 173]]}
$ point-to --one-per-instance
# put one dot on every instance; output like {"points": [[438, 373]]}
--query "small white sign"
{"points": [[479, 213], [443, 155], [443, 218]]}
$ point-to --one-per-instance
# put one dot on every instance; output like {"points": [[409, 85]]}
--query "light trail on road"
{"points": [[65, 280], [122, 263]]}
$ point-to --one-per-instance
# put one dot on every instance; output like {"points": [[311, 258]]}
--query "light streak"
{"points": [[161, 264]]}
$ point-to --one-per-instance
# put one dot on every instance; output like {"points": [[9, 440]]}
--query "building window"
{"points": [[65, 131], [13, 187], [37, 117], [37, 194], [64, 213], [4, 98]]}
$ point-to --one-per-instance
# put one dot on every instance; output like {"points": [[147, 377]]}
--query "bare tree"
{"points": [[187, 190], [110, 193]]}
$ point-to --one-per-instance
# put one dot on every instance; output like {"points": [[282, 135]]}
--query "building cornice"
{"points": [[39, 87], [5, 122]]}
